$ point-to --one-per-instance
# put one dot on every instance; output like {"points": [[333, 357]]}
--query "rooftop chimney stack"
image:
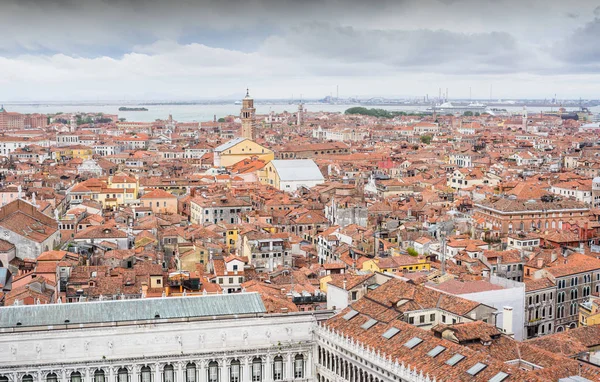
{"points": [[507, 321]]}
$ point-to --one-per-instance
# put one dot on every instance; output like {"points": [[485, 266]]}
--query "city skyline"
{"points": [[114, 50]]}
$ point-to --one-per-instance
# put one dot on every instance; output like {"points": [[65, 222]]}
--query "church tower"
{"points": [[73, 124], [248, 115], [300, 115]]}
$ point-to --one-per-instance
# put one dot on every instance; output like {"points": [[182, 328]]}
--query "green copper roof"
{"points": [[131, 310]]}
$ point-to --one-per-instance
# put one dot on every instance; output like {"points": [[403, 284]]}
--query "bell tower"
{"points": [[247, 115]]}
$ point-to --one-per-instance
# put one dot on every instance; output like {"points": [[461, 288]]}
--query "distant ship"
{"points": [[123, 108], [449, 108], [237, 103]]}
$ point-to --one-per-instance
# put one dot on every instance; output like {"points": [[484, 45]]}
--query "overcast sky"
{"points": [[185, 50]]}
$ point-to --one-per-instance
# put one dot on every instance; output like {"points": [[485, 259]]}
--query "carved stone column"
{"points": [[289, 367], [224, 375], [202, 366], [135, 373], [245, 375], [268, 371], [308, 365], [157, 370], [179, 377]]}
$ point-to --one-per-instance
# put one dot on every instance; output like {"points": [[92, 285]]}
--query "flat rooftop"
{"points": [[105, 313], [457, 287]]}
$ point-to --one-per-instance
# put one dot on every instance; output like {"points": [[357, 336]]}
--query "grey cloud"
{"points": [[582, 48], [437, 50], [78, 27]]}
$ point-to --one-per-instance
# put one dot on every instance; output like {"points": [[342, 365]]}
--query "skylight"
{"points": [[501, 376], [456, 358], [413, 342], [350, 315], [436, 351], [368, 324], [476, 368], [390, 333]]}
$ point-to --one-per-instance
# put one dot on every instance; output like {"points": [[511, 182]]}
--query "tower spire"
{"points": [[247, 116]]}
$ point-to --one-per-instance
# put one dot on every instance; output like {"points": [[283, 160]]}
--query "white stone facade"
{"points": [[244, 349]]}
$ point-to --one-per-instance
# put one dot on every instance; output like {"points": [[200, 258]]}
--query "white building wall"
{"points": [[156, 344], [513, 295], [337, 298], [291, 186]]}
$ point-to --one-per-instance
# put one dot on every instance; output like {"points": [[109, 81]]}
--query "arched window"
{"points": [[122, 375], [299, 366], [168, 373], [573, 309], [99, 376], [27, 378], [213, 372], [75, 376], [278, 368], [256, 370], [190, 372], [146, 374], [52, 377], [234, 371]]}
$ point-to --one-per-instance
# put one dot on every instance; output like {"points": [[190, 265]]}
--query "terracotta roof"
{"points": [[158, 194]]}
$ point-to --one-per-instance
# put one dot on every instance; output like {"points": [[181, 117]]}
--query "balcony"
{"points": [[267, 248]]}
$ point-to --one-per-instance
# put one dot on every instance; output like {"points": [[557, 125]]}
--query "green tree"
{"points": [[411, 251], [477, 114], [426, 139], [468, 113], [379, 113]]}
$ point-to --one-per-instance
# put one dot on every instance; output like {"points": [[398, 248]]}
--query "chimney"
{"points": [[540, 262], [507, 320], [144, 289], [344, 283], [553, 256]]}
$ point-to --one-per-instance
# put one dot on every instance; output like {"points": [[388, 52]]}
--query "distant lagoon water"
{"points": [[206, 112]]}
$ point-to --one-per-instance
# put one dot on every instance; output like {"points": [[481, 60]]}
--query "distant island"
{"points": [[123, 108]]}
